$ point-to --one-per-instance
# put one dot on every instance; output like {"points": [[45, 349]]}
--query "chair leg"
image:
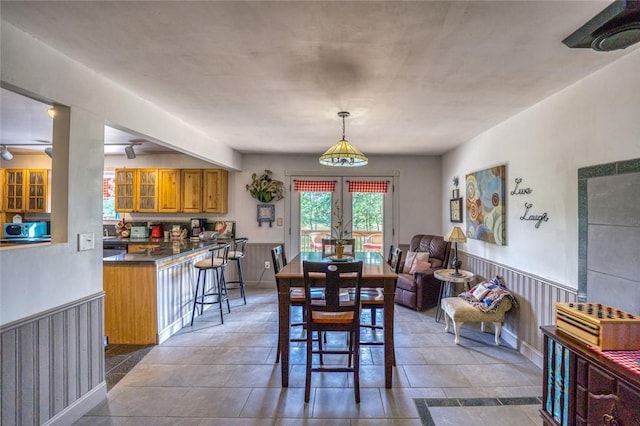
{"points": [[307, 381], [195, 297], [456, 329], [219, 284], [241, 279], [498, 327], [356, 365]]}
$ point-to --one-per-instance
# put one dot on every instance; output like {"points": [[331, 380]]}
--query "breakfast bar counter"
{"points": [[149, 292]]}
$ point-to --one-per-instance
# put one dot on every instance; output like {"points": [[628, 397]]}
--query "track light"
{"points": [[4, 153], [131, 154], [49, 151]]}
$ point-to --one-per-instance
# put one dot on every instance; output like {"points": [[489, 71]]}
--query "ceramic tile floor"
{"points": [[224, 374]]}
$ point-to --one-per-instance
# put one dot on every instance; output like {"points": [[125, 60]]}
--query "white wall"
{"points": [[594, 121], [418, 191], [35, 279]]}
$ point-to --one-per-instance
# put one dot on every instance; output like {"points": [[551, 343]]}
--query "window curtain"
{"points": [[369, 186], [315, 185]]}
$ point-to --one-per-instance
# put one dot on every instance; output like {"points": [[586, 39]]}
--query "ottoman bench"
{"points": [[488, 301]]}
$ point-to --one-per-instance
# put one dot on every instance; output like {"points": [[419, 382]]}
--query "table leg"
{"points": [[438, 307], [389, 348], [284, 330]]}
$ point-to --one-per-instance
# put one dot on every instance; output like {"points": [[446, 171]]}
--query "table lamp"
{"points": [[456, 236]]}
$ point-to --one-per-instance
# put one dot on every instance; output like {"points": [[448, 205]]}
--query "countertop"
{"points": [[167, 251]]}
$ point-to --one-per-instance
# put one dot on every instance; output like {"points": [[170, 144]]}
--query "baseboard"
{"points": [[80, 407], [532, 354], [523, 347]]}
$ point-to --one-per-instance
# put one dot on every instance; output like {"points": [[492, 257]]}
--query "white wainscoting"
{"points": [[536, 297], [53, 364]]}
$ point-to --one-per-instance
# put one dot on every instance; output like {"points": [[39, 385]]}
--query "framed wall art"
{"points": [[266, 213], [455, 209], [485, 205]]}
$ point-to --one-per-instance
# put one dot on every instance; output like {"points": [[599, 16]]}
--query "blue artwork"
{"points": [[485, 205]]}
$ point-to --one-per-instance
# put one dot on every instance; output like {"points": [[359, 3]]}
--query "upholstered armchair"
{"points": [[419, 289]]}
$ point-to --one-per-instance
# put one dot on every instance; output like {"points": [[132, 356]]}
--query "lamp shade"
{"points": [[456, 235], [343, 154]]}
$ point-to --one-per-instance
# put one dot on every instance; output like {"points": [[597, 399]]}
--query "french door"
{"points": [[365, 203]]}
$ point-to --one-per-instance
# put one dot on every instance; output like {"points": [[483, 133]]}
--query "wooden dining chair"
{"points": [[297, 297], [335, 312], [329, 247], [372, 299]]}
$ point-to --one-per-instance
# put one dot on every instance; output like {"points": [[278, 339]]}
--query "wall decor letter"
{"points": [[537, 218], [523, 191]]}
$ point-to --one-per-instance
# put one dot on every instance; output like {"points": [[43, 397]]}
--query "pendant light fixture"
{"points": [[343, 153]]}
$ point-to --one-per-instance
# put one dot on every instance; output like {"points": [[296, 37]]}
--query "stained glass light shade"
{"points": [[343, 154]]}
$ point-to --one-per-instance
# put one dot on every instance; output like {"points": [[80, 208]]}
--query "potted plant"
{"points": [[264, 188], [340, 231]]}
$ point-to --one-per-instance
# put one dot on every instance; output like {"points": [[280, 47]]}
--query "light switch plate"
{"points": [[279, 221], [86, 241]]}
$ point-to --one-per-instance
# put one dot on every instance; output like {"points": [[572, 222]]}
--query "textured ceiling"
{"points": [[417, 77]]}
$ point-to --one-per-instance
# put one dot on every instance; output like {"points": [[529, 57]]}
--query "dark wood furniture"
{"points": [[337, 311], [582, 387], [373, 300], [376, 273]]}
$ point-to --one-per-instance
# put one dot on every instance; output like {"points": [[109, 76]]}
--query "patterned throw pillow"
{"points": [[420, 263], [410, 260]]}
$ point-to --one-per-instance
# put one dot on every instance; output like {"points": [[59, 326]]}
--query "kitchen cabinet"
{"points": [[583, 387], [191, 191], [136, 190], [216, 191], [169, 191], [172, 190], [25, 190]]}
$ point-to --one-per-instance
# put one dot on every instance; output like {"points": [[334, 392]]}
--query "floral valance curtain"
{"points": [[315, 185], [369, 186]]}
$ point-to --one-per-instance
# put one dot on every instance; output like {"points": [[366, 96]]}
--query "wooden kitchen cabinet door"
{"points": [[136, 190], [191, 191], [215, 186], [125, 184], [169, 191], [147, 200], [25, 190]]}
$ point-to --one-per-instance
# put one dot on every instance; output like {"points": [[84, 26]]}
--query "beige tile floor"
{"points": [[224, 374]]}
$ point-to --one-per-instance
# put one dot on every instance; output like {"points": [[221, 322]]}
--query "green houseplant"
{"points": [[340, 231], [265, 188]]}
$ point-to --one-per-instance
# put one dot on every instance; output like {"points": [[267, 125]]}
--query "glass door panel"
{"points": [[368, 215], [315, 219], [368, 220]]}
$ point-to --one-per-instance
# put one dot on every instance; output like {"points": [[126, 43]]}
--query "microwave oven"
{"points": [[25, 230]]}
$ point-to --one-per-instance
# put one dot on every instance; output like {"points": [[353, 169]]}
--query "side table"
{"points": [[445, 275]]}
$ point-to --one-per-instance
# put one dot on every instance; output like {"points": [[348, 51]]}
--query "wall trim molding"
{"points": [[519, 271], [38, 316]]}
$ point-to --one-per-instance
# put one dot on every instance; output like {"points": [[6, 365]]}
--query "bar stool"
{"points": [[237, 254], [216, 264]]}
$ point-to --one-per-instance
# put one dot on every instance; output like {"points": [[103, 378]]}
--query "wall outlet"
{"points": [[267, 264]]}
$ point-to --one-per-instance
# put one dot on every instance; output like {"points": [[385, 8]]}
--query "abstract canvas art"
{"points": [[485, 205]]}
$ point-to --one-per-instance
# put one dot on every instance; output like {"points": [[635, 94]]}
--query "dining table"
{"points": [[376, 273]]}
